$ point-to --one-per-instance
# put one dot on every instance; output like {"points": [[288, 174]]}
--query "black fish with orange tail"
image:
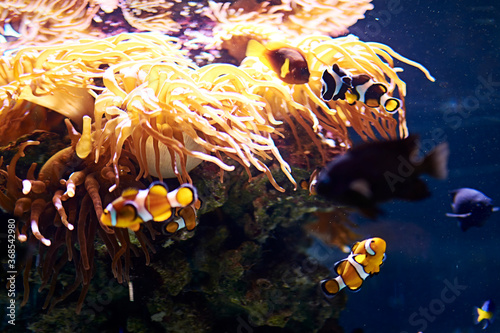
{"points": [[380, 171]]}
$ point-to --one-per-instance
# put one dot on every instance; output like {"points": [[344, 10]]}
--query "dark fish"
{"points": [[287, 61], [485, 314], [471, 207], [334, 83], [380, 171]]}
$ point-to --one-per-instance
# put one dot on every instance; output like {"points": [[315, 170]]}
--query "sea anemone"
{"points": [[293, 18], [37, 79], [149, 15], [174, 114], [47, 21]]}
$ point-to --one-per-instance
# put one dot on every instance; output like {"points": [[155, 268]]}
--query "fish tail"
{"points": [[256, 49], [480, 315], [331, 287], [436, 162]]}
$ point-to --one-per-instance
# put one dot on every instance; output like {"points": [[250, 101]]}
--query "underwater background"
{"points": [[457, 41]]}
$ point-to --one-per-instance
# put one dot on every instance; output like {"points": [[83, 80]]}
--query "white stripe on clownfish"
{"points": [[340, 282], [140, 205], [112, 211], [368, 248], [357, 266]]}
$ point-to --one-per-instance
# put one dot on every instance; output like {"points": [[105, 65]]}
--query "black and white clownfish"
{"points": [[335, 83], [485, 314], [371, 93], [365, 260], [285, 60], [155, 203], [471, 207]]}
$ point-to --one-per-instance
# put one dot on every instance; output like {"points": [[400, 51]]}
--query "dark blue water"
{"points": [[434, 273]]}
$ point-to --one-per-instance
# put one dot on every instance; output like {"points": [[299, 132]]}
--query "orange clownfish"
{"points": [[154, 203], [365, 260], [287, 61], [310, 185], [184, 217], [372, 93]]}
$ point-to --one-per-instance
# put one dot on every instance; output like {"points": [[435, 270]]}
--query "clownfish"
{"points": [[485, 314], [372, 93], [154, 203], [184, 217], [365, 260], [335, 83], [286, 61], [310, 185]]}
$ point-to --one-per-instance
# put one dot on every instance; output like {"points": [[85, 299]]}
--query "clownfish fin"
{"points": [[330, 287], [391, 105], [354, 289], [171, 227], [198, 203], [135, 226], [163, 217], [285, 69], [338, 267], [185, 195], [360, 258], [188, 214], [458, 215], [130, 192], [351, 98], [158, 188]]}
